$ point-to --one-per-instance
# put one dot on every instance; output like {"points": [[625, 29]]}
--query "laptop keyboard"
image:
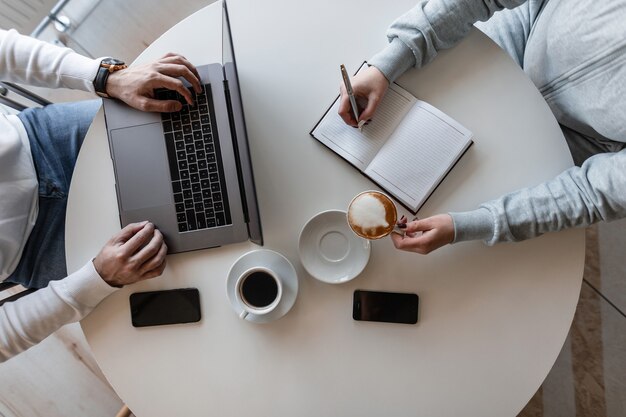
{"points": [[195, 162]]}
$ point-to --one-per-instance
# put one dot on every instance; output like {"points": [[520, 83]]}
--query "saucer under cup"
{"points": [[275, 262], [330, 251]]}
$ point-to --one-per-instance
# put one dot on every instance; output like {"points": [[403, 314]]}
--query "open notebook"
{"points": [[407, 149]]}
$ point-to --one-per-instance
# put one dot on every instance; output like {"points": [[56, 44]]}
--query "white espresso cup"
{"points": [[258, 290]]}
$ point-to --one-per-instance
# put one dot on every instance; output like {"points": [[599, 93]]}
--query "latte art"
{"points": [[372, 215], [368, 212]]}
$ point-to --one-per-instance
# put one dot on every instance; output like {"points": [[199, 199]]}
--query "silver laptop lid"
{"points": [[238, 130]]}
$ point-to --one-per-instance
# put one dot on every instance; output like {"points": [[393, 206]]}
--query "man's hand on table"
{"points": [[135, 85], [425, 235], [369, 86], [135, 253]]}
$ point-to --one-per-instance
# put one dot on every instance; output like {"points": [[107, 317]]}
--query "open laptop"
{"points": [[188, 172]]}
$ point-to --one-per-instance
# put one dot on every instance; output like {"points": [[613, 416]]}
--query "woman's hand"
{"points": [[369, 87], [425, 235]]}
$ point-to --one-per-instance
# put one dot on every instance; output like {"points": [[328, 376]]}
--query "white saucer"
{"points": [[329, 250], [277, 263]]}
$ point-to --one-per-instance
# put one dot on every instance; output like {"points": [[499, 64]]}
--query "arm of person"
{"points": [[578, 197], [32, 318], [136, 253], [415, 38], [30, 61], [431, 26]]}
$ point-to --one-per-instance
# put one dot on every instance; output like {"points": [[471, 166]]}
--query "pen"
{"points": [[355, 109]]}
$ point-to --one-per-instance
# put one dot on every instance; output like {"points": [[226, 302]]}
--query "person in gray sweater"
{"points": [[575, 53]]}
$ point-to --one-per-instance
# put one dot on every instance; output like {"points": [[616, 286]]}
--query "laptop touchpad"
{"points": [[142, 169]]}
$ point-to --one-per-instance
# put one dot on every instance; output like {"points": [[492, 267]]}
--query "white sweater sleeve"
{"points": [[30, 61], [32, 318]]}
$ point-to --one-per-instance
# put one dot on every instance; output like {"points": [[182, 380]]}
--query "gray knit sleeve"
{"points": [[432, 25], [578, 197]]}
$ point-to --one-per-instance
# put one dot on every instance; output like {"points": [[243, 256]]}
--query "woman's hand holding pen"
{"points": [[369, 86]]}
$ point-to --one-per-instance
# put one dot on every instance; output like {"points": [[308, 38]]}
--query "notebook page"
{"points": [[419, 154], [360, 147]]}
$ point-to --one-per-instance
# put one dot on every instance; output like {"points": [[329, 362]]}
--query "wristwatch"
{"points": [[107, 66]]}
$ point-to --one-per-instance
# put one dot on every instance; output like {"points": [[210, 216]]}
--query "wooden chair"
{"points": [[124, 412], [11, 292]]}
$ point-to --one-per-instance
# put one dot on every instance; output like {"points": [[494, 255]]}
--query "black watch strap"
{"points": [[107, 66]]}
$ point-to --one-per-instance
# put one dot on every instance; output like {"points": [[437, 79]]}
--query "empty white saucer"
{"points": [[329, 250], [275, 262]]}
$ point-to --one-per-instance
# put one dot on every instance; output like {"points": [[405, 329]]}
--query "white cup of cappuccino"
{"points": [[258, 290], [373, 215]]}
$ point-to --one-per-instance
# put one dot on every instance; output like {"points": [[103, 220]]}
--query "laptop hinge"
{"points": [[231, 120]]}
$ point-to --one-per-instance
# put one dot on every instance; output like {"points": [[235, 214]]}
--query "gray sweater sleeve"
{"points": [[577, 197], [432, 25]]}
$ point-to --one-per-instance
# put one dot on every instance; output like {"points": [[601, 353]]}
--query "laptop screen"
{"points": [[228, 56], [231, 79], [238, 129], [228, 63]]}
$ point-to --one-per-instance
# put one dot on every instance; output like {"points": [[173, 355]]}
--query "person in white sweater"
{"points": [[38, 150]]}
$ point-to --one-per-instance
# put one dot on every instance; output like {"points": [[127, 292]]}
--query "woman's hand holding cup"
{"points": [[373, 215], [425, 235]]}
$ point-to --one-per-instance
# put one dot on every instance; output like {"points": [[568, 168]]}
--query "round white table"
{"points": [[492, 320]]}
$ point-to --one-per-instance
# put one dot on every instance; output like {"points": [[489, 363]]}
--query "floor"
{"points": [[589, 376], [60, 378]]}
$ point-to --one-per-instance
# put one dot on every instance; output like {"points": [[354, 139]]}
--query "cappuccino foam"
{"points": [[371, 215]]}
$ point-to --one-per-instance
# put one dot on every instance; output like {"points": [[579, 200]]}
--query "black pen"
{"points": [[355, 109]]}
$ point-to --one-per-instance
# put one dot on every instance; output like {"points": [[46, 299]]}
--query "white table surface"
{"points": [[492, 320]]}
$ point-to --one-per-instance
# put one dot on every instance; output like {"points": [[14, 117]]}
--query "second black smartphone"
{"points": [[388, 307], [155, 308]]}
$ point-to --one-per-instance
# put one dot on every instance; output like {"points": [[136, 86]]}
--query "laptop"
{"points": [[188, 172]]}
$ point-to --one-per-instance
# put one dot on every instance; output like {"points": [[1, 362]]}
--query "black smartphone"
{"points": [[156, 308], [388, 307]]}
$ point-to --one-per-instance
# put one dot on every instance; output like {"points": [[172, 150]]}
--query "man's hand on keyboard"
{"points": [[135, 85]]}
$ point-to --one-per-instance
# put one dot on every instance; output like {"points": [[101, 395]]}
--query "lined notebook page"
{"points": [[360, 147], [419, 153]]}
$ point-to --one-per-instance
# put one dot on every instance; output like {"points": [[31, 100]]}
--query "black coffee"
{"points": [[259, 289]]}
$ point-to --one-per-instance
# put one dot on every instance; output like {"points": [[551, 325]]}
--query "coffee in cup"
{"points": [[372, 215], [258, 290]]}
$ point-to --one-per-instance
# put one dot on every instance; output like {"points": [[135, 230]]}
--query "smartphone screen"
{"points": [[388, 307], [155, 308]]}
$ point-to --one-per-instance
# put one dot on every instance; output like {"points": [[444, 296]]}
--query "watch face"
{"points": [[112, 61]]}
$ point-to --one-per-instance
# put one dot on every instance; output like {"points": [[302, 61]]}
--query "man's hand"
{"points": [[135, 85], [436, 231], [369, 86], [136, 253]]}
